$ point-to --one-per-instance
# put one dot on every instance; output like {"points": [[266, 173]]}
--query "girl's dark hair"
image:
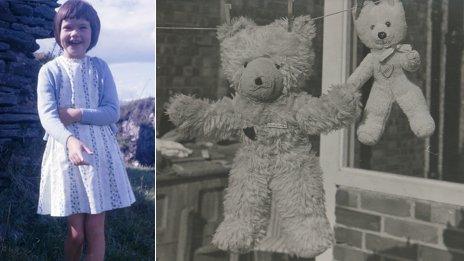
{"points": [[77, 9]]}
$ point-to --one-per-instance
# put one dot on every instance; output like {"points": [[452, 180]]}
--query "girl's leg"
{"points": [[75, 237], [95, 236]]}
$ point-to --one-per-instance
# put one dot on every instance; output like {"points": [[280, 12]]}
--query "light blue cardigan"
{"points": [[49, 82]]}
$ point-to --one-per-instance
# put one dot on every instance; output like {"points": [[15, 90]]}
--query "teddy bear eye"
{"points": [[372, 27], [277, 66], [388, 24], [245, 64]]}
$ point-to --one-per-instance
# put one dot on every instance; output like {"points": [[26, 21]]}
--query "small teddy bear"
{"points": [[265, 65], [381, 26]]}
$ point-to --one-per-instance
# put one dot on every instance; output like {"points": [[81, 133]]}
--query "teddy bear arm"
{"points": [[201, 118], [186, 112], [362, 73], [220, 120], [334, 110]]}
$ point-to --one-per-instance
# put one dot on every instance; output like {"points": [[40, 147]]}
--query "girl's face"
{"points": [[75, 37]]}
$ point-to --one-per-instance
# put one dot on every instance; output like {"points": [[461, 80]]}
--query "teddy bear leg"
{"points": [[246, 207], [375, 115], [299, 197], [412, 102]]}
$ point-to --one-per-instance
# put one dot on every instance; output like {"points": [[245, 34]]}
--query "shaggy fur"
{"points": [[386, 63], [278, 163], [291, 51]]}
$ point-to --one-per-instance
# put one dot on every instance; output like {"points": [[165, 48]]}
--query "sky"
{"points": [[126, 43]]}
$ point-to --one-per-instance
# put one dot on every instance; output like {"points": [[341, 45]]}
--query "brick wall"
{"points": [[377, 226], [188, 61]]}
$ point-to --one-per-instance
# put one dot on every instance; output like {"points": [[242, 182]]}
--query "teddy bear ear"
{"points": [[391, 2], [363, 4], [236, 25], [304, 26], [357, 9]]}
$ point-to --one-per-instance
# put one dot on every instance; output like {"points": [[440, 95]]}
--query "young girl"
{"points": [[83, 174]]}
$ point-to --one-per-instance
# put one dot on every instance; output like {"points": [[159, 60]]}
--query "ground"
{"points": [[25, 235]]}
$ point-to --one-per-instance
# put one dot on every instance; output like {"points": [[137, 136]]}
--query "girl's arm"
{"points": [[201, 118], [70, 115], [108, 110], [47, 107], [334, 110]]}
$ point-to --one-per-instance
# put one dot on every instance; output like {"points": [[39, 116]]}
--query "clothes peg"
{"points": [[358, 6], [227, 8], [290, 15]]}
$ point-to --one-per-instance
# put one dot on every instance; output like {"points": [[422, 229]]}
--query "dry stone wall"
{"points": [[21, 23]]}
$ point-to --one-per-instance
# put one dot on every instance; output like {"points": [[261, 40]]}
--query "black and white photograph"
{"points": [[309, 130]]}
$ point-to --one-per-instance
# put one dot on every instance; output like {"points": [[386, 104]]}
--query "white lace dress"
{"points": [[103, 185]]}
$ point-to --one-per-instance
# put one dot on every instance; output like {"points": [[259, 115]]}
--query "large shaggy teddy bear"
{"points": [[381, 26], [266, 66]]}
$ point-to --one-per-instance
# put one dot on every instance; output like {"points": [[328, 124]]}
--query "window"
{"points": [[442, 82], [429, 169]]}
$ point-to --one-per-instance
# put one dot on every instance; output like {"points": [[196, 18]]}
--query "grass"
{"points": [[25, 235]]}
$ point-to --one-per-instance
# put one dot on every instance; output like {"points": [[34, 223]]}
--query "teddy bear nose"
{"points": [[382, 35], [258, 81]]}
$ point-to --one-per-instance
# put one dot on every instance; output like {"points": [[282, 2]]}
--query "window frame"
{"points": [[338, 48]]}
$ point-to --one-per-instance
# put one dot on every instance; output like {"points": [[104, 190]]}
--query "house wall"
{"points": [[378, 226]]}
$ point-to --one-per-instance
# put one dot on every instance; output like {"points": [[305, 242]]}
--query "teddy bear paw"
{"points": [[310, 237], [369, 134], [412, 61], [235, 236], [422, 125], [413, 56]]}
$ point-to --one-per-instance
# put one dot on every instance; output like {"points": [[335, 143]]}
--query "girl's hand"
{"points": [[76, 148], [69, 115]]}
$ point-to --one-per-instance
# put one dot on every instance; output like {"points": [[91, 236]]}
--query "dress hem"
{"points": [[98, 212]]}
